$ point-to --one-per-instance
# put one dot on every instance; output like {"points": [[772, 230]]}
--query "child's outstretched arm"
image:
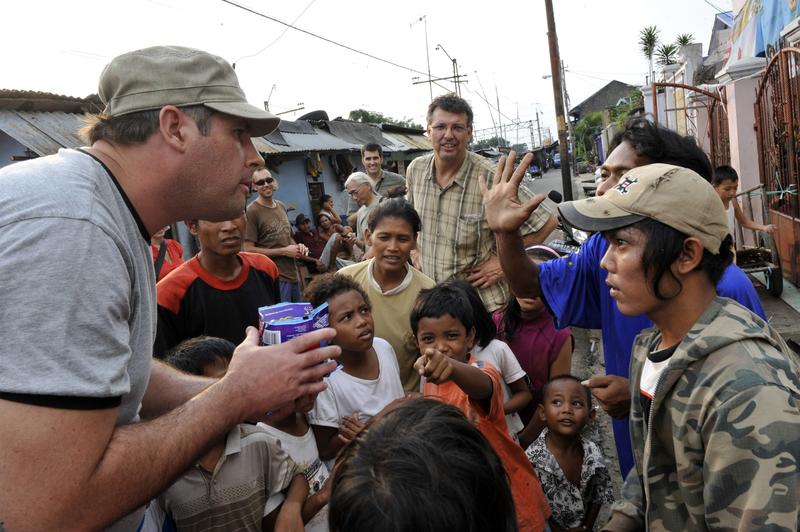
{"points": [[439, 368]]}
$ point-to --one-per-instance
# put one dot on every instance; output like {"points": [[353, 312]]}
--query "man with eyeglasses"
{"points": [[455, 241], [270, 233], [359, 187]]}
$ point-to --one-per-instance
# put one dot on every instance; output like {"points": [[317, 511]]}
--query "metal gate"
{"points": [[694, 111], [777, 113]]}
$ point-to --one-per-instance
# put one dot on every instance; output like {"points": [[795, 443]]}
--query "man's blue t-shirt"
{"points": [[575, 291]]}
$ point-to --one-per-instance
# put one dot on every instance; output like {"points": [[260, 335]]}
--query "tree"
{"points": [[667, 54], [586, 130], [648, 40], [374, 117], [493, 142], [684, 39], [620, 114]]}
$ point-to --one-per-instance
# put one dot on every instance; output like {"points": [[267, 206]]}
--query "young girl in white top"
{"points": [[369, 378]]}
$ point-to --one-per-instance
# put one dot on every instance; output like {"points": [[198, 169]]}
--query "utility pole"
{"points": [[424, 20], [538, 127], [555, 69], [499, 116], [574, 158]]}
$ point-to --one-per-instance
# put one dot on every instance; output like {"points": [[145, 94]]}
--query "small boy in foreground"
{"points": [[238, 484], [574, 478]]}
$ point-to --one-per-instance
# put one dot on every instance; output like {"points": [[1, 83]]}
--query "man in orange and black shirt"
{"points": [[216, 293]]}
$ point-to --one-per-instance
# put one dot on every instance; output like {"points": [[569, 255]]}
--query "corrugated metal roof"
{"points": [[355, 132], [301, 136], [409, 142], [43, 133]]}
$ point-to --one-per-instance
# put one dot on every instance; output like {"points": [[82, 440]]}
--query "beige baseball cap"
{"points": [[673, 195], [153, 77]]}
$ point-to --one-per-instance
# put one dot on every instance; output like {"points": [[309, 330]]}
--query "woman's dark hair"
{"points": [[395, 208], [195, 354], [326, 286], [325, 197], [724, 173], [664, 245], [446, 299], [662, 145], [422, 468], [512, 312]]}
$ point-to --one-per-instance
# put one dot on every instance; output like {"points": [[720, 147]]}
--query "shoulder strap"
{"points": [[162, 252]]}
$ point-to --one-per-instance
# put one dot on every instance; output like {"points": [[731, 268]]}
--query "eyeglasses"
{"points": [[352, 192], [458, 129], [265, 181]]}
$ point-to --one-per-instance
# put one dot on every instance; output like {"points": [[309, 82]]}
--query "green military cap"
{"points": [[151, 78]]}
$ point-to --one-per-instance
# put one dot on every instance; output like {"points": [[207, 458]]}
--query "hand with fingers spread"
{"points": [[266, 378], [503, 210], [435, 366]]}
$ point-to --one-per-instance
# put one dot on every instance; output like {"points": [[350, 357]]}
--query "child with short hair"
{"points": [[488, 348], [570, 468], [541, 349], [369, 377], [726, 184], [443, 323], [421, 468], [239, 482]]}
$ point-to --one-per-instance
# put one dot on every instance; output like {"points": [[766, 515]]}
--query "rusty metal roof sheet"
{"points": [[43, 133], [408, 142]]}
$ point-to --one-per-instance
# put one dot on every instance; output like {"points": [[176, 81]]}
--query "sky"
{"points": [[501, 47]]}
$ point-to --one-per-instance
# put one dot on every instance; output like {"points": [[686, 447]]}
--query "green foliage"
{"points": [[648, 40], [493, 142], [684, 39], [586, 130], [667, 54], [621, 113], [374, 117]]}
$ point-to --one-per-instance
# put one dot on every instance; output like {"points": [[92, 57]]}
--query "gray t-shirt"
{"points": [[78, 317]]}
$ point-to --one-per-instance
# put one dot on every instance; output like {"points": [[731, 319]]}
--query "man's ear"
{"points": [[368, 236], [191, 225], [690, 256], [173, 126]]}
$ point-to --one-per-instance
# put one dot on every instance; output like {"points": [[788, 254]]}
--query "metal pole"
{"points": [[427, 55], [555, 69], [538, 127], [574, 158]]}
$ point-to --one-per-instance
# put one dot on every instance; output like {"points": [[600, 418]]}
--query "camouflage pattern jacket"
{"points": [[723, 446]]}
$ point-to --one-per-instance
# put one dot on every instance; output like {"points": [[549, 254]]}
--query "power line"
{"points": [[715, 7], [278, 38], [330, 41]]}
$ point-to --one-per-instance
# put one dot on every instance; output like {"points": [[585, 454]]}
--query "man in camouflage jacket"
{"points": [[723, 447]]}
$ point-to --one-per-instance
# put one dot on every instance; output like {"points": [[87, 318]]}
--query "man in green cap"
{"points": [[715, 391], [77, 378]]}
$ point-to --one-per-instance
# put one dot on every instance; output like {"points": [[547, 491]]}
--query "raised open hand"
{"points": [[503, 210]]}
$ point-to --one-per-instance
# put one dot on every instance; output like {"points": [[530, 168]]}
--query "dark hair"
{"points": [[326, 286], [664, 245], [512, 312], [566, 377], [724, 173], [136, 128], [422, 468], [485, 329], [195, 354], [395, 208], [326, 197], [372, 146], [661, 145], [460, 300], [452, 104]]}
